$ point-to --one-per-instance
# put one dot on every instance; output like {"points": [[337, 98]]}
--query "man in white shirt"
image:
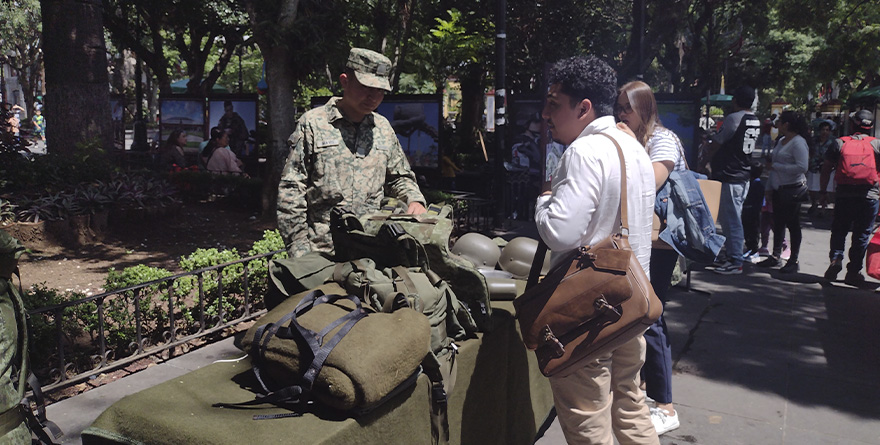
{"points": [[581, 206]]}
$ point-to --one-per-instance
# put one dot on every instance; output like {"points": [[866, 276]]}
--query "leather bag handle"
{"points": [[624, 217]]}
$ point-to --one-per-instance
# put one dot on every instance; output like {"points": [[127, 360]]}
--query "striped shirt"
{"points": [[664, 145]]}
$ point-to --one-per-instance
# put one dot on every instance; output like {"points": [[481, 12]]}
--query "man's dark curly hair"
{"points": [[587, 77]]}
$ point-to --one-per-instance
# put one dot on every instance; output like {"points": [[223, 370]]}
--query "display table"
{"points": [[500, 397]]}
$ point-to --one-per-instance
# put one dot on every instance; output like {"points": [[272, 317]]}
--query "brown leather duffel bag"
{"points": [[592, 302]]}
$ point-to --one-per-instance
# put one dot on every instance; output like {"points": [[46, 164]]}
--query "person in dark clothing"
{"points": [[751, 214], [856, 200]]}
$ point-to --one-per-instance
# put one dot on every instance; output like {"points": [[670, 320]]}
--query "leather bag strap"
{"points": [[624, 217]]}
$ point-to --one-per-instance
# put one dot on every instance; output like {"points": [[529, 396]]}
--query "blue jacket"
{"points": [[690, 229]]}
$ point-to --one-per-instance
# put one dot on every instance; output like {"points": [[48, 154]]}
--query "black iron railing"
{"points": [[104, 332]]}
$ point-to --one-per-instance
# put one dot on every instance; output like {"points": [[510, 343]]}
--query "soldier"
{"points": [[343, 153], [13, 429]]}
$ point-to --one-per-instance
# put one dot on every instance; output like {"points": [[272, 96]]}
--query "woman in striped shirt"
{"points": [[637, 108]]}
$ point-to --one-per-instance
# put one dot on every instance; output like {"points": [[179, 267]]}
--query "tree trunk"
{"points": [[77, 83], [280, 76]]}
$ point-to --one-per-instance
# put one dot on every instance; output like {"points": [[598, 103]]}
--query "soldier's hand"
{"points": [[416, 208]]}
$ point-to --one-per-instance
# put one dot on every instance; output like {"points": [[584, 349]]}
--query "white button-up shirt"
{"points": [[584, 207]]}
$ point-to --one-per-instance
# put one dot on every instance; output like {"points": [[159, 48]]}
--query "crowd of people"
{"points": [[15, 119], [330, 164]]}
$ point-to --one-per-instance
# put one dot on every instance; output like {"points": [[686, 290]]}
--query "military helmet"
{"points": [[863, 119], [10, 250], [518, 255], [478, 248]]}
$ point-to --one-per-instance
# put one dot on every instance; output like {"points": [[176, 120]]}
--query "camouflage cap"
{"points": [[370, 68], [10, 250]]}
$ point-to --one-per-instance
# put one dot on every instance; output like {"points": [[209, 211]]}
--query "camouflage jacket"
{"points": [[336, 162]]}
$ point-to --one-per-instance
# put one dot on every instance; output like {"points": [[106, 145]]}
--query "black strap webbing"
{"points": [[537, 264], [289, 328]]}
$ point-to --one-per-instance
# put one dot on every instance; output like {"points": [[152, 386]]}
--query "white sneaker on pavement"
{"points": [[663, 422]]}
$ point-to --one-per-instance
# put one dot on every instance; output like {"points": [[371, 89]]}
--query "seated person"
{"points": [[217, 156], [171, 154]]}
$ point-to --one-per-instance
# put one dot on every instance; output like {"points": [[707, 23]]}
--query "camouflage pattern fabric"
{"points": [[335, 162], [10, 395]]}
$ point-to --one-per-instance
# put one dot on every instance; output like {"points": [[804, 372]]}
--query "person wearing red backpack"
{"points": [[856, 159]]}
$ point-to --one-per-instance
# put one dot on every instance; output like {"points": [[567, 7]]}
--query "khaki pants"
{"points": [[603, 395]]}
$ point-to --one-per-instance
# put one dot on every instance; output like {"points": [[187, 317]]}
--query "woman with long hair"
{"points": [[217, 157], [637, 108], [172, 153], [787, 187]]}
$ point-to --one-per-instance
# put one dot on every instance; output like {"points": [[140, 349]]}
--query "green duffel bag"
{"points": [[413, 241], [321, 345], [392, 288], [290, 276]]}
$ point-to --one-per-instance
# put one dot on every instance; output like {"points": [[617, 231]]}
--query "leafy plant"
{"points": [[120, 311], [232, 280], [45, 208], [7, 211], [41, 327], [258, 270], [91, 199]]}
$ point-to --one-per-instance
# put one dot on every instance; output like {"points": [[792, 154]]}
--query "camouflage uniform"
{"points": [[10, 395], [336, 162]]}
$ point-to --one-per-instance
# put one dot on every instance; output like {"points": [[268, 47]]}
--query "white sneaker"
{"points": [[663, 422]]}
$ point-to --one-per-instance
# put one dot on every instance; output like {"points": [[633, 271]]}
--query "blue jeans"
{"points": [[856, 215], [657, 370], [729, 215]]}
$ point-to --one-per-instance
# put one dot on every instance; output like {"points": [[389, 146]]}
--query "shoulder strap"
{"points": [[624, 217]]}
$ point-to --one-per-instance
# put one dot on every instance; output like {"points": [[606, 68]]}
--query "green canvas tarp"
{"points": [[500, 397]]}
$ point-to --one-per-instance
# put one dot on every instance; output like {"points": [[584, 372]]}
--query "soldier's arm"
{"points": [[292, 203], [401, 180]]}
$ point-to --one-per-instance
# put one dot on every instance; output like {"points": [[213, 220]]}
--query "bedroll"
{"points": [[359, 357]]}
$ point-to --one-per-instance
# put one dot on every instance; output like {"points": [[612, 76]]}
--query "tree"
{"points": [[21, 35], [77, 93], [190, 29], [295, 38]]}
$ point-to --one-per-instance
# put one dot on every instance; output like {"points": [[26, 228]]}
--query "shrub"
{"points": [[258, 270], [41, 327], [232, 280], [120, 311]]}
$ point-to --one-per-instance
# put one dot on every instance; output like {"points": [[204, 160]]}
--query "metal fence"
{"points": [[78, 339]]}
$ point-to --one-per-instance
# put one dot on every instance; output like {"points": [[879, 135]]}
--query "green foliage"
{"points": [[122, 191], [258, 270], [7, 212], [232, 296], [21, 37], [52, 173], [42, 329], [120, 310], [151, 302]]}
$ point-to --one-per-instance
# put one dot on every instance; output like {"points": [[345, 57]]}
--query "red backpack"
{"points": [[856, 165]]}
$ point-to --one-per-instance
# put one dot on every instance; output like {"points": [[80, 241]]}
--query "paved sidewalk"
{"points": [[760, 358]]}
